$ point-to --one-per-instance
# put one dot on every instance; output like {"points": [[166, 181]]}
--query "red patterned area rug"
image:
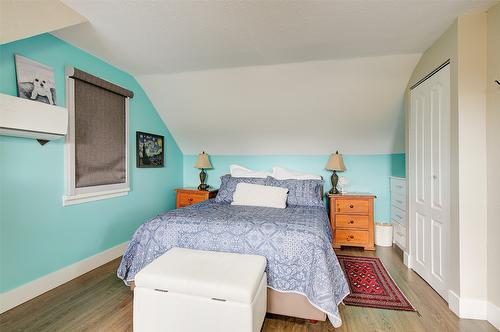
{"points": [[371, 285]]}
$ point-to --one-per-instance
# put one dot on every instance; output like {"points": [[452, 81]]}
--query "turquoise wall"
{"points": [[366, 173], [398, 165], [37, 234]]}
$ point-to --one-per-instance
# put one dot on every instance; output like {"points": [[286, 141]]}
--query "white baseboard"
{"points": [[407, 259], [26, 292], [467, 308], [454, 302], [494, 315]]}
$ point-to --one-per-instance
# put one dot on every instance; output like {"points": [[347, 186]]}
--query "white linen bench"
{"points": [[191, 290]]}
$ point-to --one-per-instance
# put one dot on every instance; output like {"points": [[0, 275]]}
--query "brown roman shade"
{"points": [[100, 131], [80, 75]]}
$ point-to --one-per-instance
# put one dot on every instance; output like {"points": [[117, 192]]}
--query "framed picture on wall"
{"points": [[150, 150], [35, 80]]}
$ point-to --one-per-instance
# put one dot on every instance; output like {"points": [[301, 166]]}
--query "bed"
{"points": [[296, 242]]}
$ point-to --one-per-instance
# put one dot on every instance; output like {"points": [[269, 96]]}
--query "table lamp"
{"points": [[335, 164], [203, 163]]}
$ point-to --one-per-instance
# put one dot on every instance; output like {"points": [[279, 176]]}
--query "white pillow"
{"points": [[259, 195], [238, 171], [281, 173]]}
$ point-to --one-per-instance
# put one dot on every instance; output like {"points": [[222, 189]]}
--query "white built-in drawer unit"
{"points": [[398, 211]]}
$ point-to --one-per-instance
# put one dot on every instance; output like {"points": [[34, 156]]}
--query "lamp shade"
{"points": [[335, 163], [203, 161]]}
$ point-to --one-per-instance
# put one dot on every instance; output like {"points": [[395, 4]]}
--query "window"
{"points": [[97, 144]]}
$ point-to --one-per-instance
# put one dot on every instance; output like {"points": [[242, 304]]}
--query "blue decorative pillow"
{"points": [[300, 192], [228, 186]]}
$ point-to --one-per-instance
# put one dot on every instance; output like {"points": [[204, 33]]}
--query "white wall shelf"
{"points": [[30, 119]]}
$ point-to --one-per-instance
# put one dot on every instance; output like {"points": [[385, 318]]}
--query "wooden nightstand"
{"points": [[190, 196], [351, 217]]}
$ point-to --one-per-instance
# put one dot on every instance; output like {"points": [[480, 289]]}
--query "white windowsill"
{"points": [[90, 197]]}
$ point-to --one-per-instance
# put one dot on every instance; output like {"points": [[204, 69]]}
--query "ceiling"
{"points": [[14, 18], [315, 107], [222, 74], [146, 37]]}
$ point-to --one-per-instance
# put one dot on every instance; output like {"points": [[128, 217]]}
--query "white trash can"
{"points": [[383, 234]]}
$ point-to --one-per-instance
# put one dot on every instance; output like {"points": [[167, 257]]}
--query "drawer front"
{"points": [[360, 206], [398, 215], [351, 221], [351, 237], [398, 186], [400, 236], [398, 200], [189, 199]]}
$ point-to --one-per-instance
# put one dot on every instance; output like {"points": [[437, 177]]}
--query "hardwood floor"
{"points": [[99, 301]]}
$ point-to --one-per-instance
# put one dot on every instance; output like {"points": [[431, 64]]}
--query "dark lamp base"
{"points": [[335, 180], [334, 191], [203, 177], [203, 186]]}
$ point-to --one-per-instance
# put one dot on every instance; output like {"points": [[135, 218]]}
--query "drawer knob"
{"points": [[190, 199], [351, 221], [350, 237], [351, 206]]}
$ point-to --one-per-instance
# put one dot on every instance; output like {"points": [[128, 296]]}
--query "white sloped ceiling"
{"points": [[271, 77], [315, 107], [27, 18]]}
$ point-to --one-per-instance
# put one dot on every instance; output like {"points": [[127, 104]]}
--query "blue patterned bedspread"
{"points": [[296, 242]]}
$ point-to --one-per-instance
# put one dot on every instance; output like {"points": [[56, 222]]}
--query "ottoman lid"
{"points": [[220, 275]]}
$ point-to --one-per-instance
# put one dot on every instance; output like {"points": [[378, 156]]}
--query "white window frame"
{"points": [[76, 195]]}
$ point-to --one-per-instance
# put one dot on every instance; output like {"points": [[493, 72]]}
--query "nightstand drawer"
{"points": [[186, 197], [351, 221], [189, 199], [360, 206], [350, 237]]}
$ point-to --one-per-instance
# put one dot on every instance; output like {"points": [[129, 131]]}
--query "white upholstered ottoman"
{"points": [[193, 290]]}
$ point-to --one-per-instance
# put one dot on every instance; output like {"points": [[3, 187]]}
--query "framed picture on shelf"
{"points": [[150, 150], [35, 81]]}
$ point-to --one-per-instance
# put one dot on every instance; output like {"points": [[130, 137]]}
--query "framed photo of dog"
{"points": [[35, 80]]}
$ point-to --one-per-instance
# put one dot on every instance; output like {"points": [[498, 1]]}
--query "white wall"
{"points": [[493, 146], [472, 155], [464, 43]]}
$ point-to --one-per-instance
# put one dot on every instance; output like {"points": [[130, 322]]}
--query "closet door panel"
{"points": [[420, 241], [437, 240], [420, 146], [439, 182], [435, 146]]}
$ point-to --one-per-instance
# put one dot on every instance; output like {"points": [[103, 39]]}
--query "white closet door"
{"points": [[429, 179]]}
